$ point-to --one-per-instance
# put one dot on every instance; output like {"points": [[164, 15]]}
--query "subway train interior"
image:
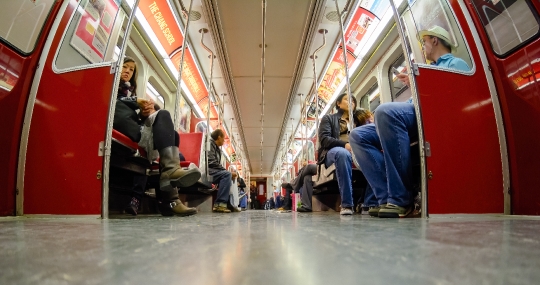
{"points": [[270, 141]]}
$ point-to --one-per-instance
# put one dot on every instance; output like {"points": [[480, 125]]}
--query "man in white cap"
{"points": [[388, 172]]}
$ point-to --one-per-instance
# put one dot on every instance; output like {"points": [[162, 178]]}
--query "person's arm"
{"points": [[325, 135], [214, 158]]}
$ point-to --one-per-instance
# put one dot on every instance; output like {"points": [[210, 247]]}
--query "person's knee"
{"points": [[311, 169], [343, 155], [361, 134]]}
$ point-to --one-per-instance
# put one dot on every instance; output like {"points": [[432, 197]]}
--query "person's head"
{"points": [[129, 71], [218, 136], [362, 117], [435, 42], [234, 173], [342, 102]]}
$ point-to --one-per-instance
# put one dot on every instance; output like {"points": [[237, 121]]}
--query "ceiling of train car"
{"points": [[236, 37]]}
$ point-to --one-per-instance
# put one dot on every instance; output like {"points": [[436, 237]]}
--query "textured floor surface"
{"points": [[265, 247]]}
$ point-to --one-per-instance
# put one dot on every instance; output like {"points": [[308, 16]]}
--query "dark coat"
{"points": [[126, 120], [329, 135], [214, 158]]}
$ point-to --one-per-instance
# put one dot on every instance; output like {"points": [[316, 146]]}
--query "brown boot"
{"points": [[169, 163], [180, 209]]}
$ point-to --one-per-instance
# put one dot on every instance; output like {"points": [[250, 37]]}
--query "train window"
{"points": [[21, 22], [397, 87], [154, 95], [426, 19], [92, 34], [373, 97], [508, 23]]}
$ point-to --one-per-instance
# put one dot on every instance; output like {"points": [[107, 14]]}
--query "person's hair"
{"points": [[133, 80], [340, 98], [361, 116], [443, 43], [216, 134]]}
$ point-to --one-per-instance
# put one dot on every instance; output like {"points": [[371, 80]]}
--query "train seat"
{"points": [[128, 144], [191, 146]]}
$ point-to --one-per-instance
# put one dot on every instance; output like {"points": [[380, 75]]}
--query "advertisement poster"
{"points": [[93, 29]]}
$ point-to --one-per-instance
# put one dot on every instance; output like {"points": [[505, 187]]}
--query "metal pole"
{"points": [[210, 93], [412, 79], [181, 68], [315, 82], [346, 65], [117, 67], [263, 57]]}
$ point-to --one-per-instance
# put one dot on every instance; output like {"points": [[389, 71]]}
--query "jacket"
{"points": [[214, 158], [329, 135]]}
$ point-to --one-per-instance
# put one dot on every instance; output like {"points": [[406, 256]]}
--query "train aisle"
{"points": [[265, 247]]}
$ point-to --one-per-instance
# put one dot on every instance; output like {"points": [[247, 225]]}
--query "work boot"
{"points": [[169, 163], [170, 204]]}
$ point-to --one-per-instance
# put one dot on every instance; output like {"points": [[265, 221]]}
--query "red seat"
{"points": [[190, 147], [127, 142]]}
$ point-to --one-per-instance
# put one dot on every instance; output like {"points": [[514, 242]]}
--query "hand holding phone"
{"points": [[395, 71]]}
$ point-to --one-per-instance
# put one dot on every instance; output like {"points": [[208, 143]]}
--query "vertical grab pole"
{"points": [[112, 106], [346, 65], [210, 93], [315, 82], [412, 79], [181, 68]]}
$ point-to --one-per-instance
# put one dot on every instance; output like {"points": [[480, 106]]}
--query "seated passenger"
{"points": [[335, 149], [389, 172], [161, 136], [220, 175], [303, 183], [243, 200]]}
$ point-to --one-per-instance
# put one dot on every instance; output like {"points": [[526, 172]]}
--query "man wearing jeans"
{"points": [[383, 149], [219, 174]]}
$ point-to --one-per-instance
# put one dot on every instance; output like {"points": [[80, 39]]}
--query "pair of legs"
{"points": [[304, 184], [342, 159], [383, 152], [224, 179]]}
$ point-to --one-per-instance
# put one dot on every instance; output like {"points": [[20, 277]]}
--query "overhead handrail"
{"points": [[210, 94], [112, 106]]}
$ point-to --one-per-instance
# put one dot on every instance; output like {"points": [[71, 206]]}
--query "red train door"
{"points": [[509, 31], [60, 167], [20, 48], [459, 115]]}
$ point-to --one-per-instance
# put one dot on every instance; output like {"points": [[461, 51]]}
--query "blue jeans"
{"points": [[388, 172], [343, 160], [369, 198], [223, 178]]}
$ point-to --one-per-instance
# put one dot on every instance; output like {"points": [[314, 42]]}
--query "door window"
{"points": [[21, 22], [398, 89], [508, 23]]}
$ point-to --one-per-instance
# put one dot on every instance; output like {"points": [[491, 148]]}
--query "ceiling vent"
{"points": [[195, 16], [332, 16]]}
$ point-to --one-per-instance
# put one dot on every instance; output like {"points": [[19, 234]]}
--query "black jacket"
{"points": [[214, 158], [329, 135], [241, 183]]}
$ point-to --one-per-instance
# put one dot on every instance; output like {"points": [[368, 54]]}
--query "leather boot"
{"points": [[169, 163], [170, 204]]}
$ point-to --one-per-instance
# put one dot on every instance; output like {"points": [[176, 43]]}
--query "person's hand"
{"points": [[148, 109], [404, 77], [348, 147]]}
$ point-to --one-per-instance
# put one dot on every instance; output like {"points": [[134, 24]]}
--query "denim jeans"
{"points": [[369, 198], [343, 160], [223, 178], [388, 172]]}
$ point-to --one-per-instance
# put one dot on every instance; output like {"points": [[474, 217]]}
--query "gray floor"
{"points": [[264, 247]]}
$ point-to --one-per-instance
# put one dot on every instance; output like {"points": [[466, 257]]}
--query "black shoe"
{"points": [[133, 206], [302, 209]]}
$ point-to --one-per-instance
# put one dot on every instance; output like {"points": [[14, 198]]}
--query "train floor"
{"points": [[266, 247]]}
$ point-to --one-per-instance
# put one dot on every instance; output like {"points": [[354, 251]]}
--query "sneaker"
{"points": [[236, 210], [303, 209], [394, 211], [374, 211], [346, 211], [283, 210], [220, 209], [133, 206]]}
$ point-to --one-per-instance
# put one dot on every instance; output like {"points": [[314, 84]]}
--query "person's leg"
{"points": [[306, 193], [343, 162], [223, 178], [139, 185], [396, 125], [166, 141], [366, 148]]}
